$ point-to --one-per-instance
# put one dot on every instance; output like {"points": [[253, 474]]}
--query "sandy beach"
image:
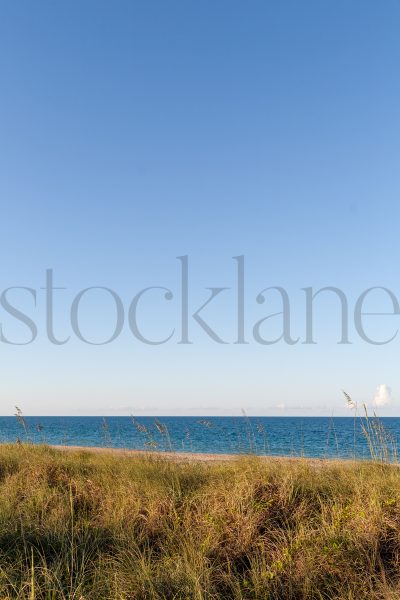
{"points": [[197, 456]]}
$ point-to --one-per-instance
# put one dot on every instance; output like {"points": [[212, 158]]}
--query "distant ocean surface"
{"points": [[279, 436]]}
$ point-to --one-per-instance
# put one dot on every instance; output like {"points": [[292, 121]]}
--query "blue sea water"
{"points": [[280, 436]]}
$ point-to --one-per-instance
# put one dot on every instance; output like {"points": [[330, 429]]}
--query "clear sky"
{"points": [[132, 133]]}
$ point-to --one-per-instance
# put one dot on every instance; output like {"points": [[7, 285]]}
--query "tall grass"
{"points": [[85, 526], [382, 445]]}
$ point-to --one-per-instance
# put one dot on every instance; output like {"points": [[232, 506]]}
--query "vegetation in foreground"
{"points": [[100, 526]]}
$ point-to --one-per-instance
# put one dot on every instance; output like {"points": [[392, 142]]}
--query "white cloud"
{"points": [[280, 406], [383, 395]]}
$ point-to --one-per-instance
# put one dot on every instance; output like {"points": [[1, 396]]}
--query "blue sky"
{"points": [[135, 132]]}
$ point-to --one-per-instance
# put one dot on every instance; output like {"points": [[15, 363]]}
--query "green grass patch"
{"points": [[80, 525]]}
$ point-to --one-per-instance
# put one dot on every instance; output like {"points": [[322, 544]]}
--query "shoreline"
{"points": [[203, 457], [200, 456]]}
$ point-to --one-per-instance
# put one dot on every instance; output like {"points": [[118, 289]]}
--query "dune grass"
{"points": [[101, 526]]}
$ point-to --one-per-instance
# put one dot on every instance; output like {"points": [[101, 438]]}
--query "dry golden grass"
{"points": [[83, 525]]}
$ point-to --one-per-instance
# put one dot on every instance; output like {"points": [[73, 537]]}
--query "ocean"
{"points": [[317, 437]]}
